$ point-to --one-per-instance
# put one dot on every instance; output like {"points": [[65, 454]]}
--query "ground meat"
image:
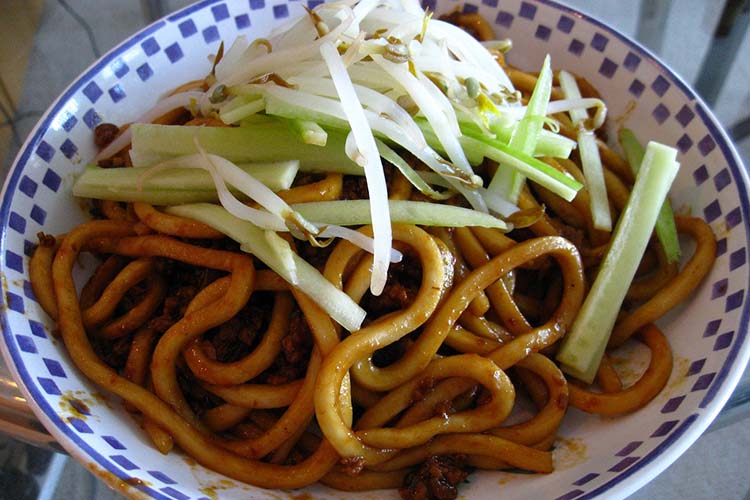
{"points": [[316, 256], [354, 188], [237, 337], [173, 308], [296, 347], [104, 133], [404, 280], [391, 353], [197, 397], [113, 352], [437, 478], [298, 342]]}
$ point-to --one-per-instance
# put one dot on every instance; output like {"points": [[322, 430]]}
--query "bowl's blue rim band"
{"points": [[706, 116]]}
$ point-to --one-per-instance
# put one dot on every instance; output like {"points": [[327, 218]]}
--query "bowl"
{"points": [[595, 457]]}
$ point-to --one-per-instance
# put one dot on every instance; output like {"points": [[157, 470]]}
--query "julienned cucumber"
{"points": [[584, 345], [291, 267], [172, 186], [262, 143]]}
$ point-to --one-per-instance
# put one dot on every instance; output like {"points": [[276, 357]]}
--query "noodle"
{"points": [[242, 371]]}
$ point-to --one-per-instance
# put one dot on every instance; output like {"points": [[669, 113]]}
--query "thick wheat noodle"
{"points": [[483, 327], [132, 274], [444, 318], [115, 211], [173, 225], [40, 276], [101, 277], [364, 397], [556, 326], [224, 417], [477, 25], [480, 305], [369, 428], [525, 82], [197, 444], [299, 413], [101, 311], [607, 377], [328, 398], [641, 392], [679, 288], [547, 420], [161, 439], [190, 326], [493, 240], [543, 226], [486, 445], [138, 360], [574, 213], [252, 365], [644, 288], [445, 390], [462, 340], [281, 454], [327, 189], [493, 463], [365, 481], [261, 396], [533, 385], [269, 281], [436, 273], [500, 297], [139, 356], [139, 314]]}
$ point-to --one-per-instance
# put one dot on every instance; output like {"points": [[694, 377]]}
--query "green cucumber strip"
{"points": [[262, 143], [583, 346], [593, 171], [548, 143], [357, 212], [257, 119], [666, 229], [536, 170], [281, 108], [174, 185], [509, 182], [252, 239], [407, 171], [235, 114]]}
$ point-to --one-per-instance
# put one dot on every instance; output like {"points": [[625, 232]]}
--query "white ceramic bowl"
{"points": [[597, 457]]}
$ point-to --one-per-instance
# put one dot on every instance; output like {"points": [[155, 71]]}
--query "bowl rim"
{"points": [[623, 484]]}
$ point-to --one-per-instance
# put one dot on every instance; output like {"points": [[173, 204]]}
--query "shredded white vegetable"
{"points": [[401, 84]]}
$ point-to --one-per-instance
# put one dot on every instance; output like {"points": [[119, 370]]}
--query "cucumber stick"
{"points": [[583, 347]]}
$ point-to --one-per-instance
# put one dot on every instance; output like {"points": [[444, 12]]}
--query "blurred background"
{"points": [[45, 44]]}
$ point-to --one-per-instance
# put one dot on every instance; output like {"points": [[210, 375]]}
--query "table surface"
{"points": [[31, 29]]}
